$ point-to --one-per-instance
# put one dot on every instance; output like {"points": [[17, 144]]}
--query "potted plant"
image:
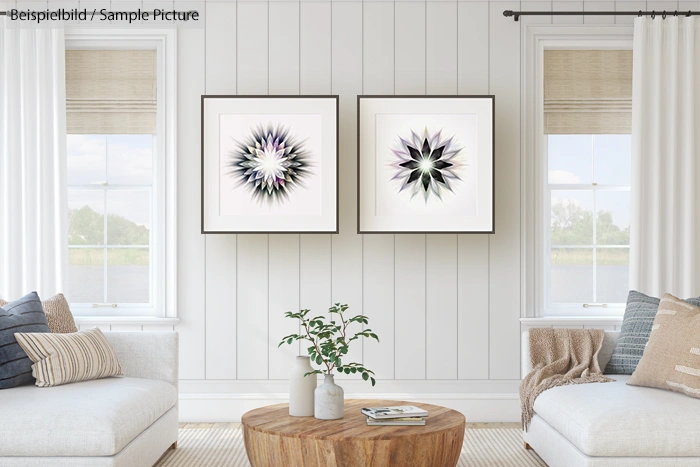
{"points": [[330, 341]]}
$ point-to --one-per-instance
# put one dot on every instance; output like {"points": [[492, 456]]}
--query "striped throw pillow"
{"points": [[23, 315], [672, 357], [68, 358], [58, 313]]}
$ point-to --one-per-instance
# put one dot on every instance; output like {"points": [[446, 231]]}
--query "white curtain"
{"points": [[665, 222], [33, 217]]}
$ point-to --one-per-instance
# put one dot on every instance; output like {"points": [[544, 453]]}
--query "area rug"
{"points": [[219, 447]]}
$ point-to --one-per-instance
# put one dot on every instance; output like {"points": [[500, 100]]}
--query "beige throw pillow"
{"points": [[67, 358], [671, 359], [57, 312]]}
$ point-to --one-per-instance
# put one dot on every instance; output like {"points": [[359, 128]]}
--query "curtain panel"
{"points": [[33, 209], [665, 222]]}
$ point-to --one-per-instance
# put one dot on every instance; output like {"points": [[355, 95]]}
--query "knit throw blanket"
{"points": [[560, 357]]}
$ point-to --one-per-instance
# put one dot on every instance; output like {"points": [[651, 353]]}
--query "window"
{"points": [[577, 96], [110, 211], [588, 202], [121, 173]]}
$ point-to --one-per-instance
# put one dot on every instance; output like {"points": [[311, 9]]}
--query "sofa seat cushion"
{"points": [[91, 418], [614, 419]]}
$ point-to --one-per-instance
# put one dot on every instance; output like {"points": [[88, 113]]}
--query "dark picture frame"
{"points": [[206, 229], [492, 159]]}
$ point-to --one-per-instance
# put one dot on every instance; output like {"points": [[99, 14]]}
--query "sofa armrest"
{"points": [[149, 355]]}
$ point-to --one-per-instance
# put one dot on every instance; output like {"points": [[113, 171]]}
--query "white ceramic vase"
{"points": [[301, 389], [330, 400]]}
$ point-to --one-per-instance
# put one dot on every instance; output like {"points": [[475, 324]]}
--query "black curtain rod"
{"points": [[517, 14]]}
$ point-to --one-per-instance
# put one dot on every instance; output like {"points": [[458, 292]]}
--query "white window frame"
{"points": [[534, 182], [164, 226]]}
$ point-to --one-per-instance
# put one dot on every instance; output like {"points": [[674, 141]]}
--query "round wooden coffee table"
{"points": [[274, 439]]}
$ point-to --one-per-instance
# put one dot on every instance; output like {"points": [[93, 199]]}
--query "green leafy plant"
{"points": [[330, 340]]}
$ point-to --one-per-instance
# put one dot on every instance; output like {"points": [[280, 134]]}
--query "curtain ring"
{"points": [[664, 15], [675, 13], [688, 15], [640, 14], [653, 14]]}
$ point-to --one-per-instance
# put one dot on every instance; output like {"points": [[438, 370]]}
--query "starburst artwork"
{"points": [[426, 165], [270, 163]]}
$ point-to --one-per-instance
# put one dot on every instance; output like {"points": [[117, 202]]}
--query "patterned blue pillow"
{"points": [[23, 315], [634, 335]]}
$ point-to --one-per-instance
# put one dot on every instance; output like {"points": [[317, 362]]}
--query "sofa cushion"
{"points": [[91, 418], [614, 419], [22, 315]]}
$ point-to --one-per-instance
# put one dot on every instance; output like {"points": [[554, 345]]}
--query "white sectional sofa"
{"points": [[127, 421], [612, 424]]}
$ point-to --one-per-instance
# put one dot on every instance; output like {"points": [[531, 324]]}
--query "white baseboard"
{"points": [[229, 407]]}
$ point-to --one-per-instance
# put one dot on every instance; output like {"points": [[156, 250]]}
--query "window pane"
{"points": [[86, 159], [128, 275], [612, 275], [572, 217], [128, 221], [570, 159], [613, 219], [613, 159], [130, 159], [85, 217], [571, 275], [86, 275]]}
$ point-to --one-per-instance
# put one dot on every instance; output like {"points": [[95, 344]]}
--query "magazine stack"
{"points": [[404, 415]]}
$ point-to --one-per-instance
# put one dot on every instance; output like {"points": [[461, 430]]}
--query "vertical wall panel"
{"points": [[252, 37], [473, 250], [347, 245], [628, 6], [504, 252], [540, 5], [284, 47], [220, 249], [190, 241], [315, 58], [283, 260], [441, 47], [441, 253], [598, 6], [409, 61], [409, 250], [567, 6], [283, 296], [253, 250], [315, 66], [378, 48], [253, 307], [441, 307]]}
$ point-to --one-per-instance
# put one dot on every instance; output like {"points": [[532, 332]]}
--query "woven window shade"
{"points": [[111, 91], [587, 91]]}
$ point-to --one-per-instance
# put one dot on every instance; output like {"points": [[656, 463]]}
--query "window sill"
{"points": [[572, 321], [126, 320]]}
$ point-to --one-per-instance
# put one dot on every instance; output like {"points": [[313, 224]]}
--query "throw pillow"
{"points": [[23, 315], [68, 358], [634, 335], [672, 357], [58, 314]]}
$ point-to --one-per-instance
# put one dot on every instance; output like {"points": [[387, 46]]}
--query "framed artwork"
{"points": [[269, 164], [425, 164]]}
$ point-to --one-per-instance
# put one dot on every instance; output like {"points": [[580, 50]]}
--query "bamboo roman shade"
{"points": [[111, 91], [587, 91]]}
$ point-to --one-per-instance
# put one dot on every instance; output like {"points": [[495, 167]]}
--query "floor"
{"points": [[231, 425]]}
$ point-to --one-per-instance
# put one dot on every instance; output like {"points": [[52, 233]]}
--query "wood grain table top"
{"points": [[275, 419]]}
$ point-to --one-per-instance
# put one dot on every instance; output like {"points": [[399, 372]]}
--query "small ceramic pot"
{"points": [[329, 401]]}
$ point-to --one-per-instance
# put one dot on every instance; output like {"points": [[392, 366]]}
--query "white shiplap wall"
{"points": [[446, 306]]}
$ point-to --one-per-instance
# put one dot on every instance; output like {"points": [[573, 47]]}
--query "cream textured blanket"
{"points": [[560, 357]]}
